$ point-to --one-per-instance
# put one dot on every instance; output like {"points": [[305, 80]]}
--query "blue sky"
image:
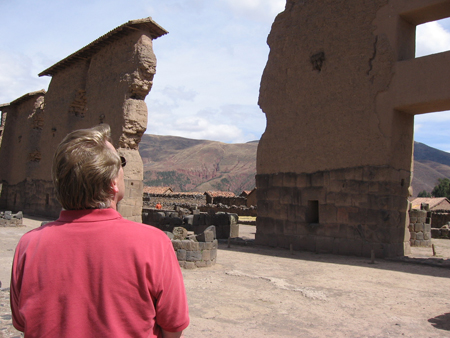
{"points": [[209, 65]]}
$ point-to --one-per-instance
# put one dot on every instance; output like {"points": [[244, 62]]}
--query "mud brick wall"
{"points": [[237, 201], [168, 200], [348, 211], [420, 227], [191, 254], [241, 211]]}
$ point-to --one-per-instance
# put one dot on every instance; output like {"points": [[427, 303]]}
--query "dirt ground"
{"points": [[256, 291]]}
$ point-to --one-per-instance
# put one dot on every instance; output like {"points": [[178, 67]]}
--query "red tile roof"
{"points": [[220, 193], [158, 190], [437, 203]]}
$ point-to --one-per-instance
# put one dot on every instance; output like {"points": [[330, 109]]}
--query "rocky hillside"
{"points": [[429, 165], [201, 165], [198, 165]]}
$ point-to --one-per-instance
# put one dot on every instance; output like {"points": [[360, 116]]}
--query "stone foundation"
{"points": [[198, 253], [420, 228], [34, 197], [347, 211]]}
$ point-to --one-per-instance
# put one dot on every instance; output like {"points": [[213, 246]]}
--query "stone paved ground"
{"points": [[262, 292]]}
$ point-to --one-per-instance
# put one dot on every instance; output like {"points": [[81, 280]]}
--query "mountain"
{"points": [[200, 165], [430, 164]]}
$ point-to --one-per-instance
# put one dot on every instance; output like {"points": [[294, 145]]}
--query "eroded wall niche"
{"points": [[104, 82], [340, 91]]}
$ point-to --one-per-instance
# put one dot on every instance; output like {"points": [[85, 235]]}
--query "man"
{"points": [[92, 273]]}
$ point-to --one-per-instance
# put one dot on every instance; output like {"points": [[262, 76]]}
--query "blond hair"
{"points": [[83, 168]]}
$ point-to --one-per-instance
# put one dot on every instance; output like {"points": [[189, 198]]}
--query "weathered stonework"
{"points": [[104, 82], [340, 91]]}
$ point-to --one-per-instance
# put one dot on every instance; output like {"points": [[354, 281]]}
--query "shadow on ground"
{"points": [[436, 267], [441, 322]]}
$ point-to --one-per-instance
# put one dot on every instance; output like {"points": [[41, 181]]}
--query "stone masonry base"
{"points": [[351, 211]]}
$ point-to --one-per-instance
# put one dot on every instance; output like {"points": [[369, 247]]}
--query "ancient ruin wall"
{"points": [[334, 164], [107, 83]]}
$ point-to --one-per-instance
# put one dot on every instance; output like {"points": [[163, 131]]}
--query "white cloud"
{"points": [[431, 38], [18, 76], [264, 10]]}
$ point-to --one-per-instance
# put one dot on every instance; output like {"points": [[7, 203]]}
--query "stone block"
{"points": [[418, 227], [313, 194], [234, 230], [181, 254], [327, 230], [189, 219], [426, 235], [189, 245], [190, 265], [195, 255], [179, 233], [177, 244], [8, 215], [206, 255], [287, 195], [317, 179], [324, 244], [303, 181], [435, 233], [419, 236], [273, 194], [182, 264], [327, 213], [427, 243], [426, 227], [350, 247], [263, 181], [202, 264], [277, 180], [213, 254], [290, 180], [413, 235]]}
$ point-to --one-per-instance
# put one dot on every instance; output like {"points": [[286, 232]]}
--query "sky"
{"points": [[209, 65]]}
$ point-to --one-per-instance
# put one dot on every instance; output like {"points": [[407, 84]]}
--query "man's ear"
{"points": [[114, 186]]}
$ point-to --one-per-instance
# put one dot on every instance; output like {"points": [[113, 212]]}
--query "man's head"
{"points": [[87, 170]]}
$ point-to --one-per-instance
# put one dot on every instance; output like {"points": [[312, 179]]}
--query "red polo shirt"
{"points": [[93, 273]]}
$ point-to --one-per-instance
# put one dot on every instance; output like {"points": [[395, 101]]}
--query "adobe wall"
{"points": [[106, 85], [340, 90]]}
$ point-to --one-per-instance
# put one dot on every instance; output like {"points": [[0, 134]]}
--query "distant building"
{"points": [[435, 203], [158, 190], [211, 195]]}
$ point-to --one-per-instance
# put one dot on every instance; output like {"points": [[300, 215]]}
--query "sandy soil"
{"points": [[256, 291]]}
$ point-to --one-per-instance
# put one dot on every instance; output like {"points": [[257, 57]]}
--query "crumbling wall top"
{"points": [[86, 52]]}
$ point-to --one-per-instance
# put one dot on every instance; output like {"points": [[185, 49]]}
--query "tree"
{"points": [[424, 193], [442, 189]]}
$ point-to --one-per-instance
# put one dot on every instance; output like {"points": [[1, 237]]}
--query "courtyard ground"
{"points": [[255, 291]]}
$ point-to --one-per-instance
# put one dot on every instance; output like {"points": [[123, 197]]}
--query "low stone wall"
{"points": [[240, 211], [439, 218], [440, 233], [169, 200], [420, 228], [166, 220], [193, 254], [8, 219], [230, 201]]}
